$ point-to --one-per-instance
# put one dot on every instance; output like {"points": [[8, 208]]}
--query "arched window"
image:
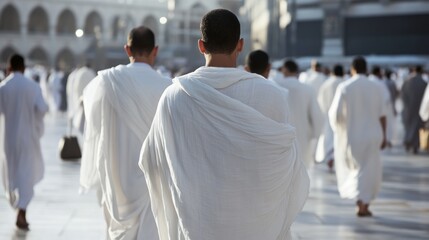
{"points": [[6, 53], [66, 23], [9, 19], [65, 59], [151, 22], [38, 21], [38, 55], [93, 24]]}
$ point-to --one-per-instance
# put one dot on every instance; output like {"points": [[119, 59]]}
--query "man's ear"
{"points": [[267, 71], [201, 46], [240, 45], [154, 52], [128, 50]]}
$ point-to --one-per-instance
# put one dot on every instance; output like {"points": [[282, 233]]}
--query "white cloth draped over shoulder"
{"points": [[76, 83], [22, 109], [119, 107], [219, 160], [355, 116], [325, 144], [305, 115]]}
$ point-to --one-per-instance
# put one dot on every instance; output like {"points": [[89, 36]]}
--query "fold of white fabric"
{"points": [[217, 168], [119, 105]]}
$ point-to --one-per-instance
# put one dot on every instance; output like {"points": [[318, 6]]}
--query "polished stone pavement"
{"points": [[401, 211]]}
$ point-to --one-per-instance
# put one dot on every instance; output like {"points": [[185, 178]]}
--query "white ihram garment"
{"points": [[355, 116], [119, 107], [220, 159], [424, 107], [305, 115], [325, 144], [22, 109], [79, 79]]}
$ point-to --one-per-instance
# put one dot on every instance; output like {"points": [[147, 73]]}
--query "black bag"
{"points": [[69, 148]]}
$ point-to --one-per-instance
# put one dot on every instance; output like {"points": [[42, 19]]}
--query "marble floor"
{"points": [[401, 211]]}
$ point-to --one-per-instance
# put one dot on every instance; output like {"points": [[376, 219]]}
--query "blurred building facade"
{"points": [[44, 31], [338, 27]]}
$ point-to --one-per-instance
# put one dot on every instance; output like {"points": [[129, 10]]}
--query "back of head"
{"points": [[291, 66], [418, 69], [338, 70], [376, 70], [257, 61], [220, 31], [141, 41], [359, 65], [16, 63], [315, 65]]}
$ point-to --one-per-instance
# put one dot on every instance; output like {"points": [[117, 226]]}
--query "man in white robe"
{"points": [[314, 77], [325, 144], [358, 120], [258, 62], [119, 107], [55, 88], [220, 158], [76, 83], [22, 109], [377, 77], [305, 114]]}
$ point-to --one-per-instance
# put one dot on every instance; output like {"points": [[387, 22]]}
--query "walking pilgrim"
{"points": [[76, 83], [377, 77], [119, 107], [314, 77], [357, 117], [412, 94], [220, 159], [22, 110], [325, 145], [305, 114]]}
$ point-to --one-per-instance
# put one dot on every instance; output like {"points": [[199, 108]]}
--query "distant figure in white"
{"points": [[119, 105], [377, 77], [76, 83], [358, 120], [22, 109], [220, 159], [325, 145], [314, 77], [55, 88], [305, 114]]}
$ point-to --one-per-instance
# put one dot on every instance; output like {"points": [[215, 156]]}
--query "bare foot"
{"points": [[21, 221]]}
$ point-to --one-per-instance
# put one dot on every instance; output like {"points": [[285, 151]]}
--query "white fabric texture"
{"points": [[76, 83], [424, 107], [355, 116], [22, 109], [220, 159], [314, 79], [388, 109], [325, 144], [119, 107], [305, 115], [55, 88]]}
